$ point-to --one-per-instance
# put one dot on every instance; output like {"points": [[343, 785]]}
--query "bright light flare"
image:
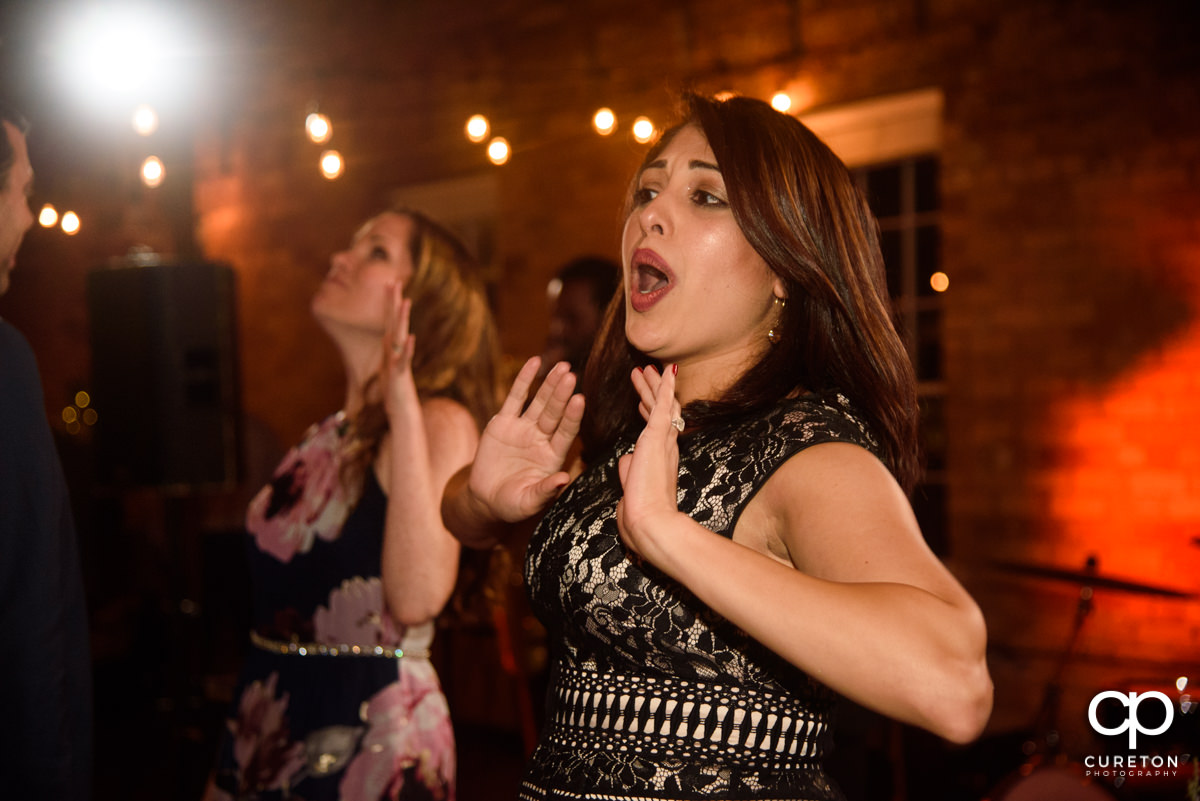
{"points": [[318, 127], [127, 52], [781, 101], [939, 281], [643, 129], [145, 120], [70, 223], [498, 150], [604, 121], [332, 165], [153, 171], [48, 216], [478, 128]]}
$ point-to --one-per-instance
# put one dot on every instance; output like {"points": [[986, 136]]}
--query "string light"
{"points": [[781, 101], [498, 150], [939, 281], [48, 216], [643, 130], [332, 165], [153, 171], [145, 120], [604, 121], [318, 127], [70, 223], [478, 128]]}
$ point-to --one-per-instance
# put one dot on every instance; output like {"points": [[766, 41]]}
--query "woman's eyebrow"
{"points": [[694, 164]]}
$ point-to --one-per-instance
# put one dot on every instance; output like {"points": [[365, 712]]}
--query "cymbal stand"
{"points": [[1045, 724]]}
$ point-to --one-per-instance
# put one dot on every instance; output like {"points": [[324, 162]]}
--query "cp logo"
{"points": [[1131, 722]]}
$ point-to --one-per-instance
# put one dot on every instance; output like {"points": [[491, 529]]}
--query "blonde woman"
{"points": [[350, 560]]}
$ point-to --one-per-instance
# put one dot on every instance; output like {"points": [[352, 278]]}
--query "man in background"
{"points": [[579, 294], [45, 671]]}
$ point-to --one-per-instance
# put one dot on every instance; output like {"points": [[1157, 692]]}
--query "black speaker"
{"points": [[164, 374]]}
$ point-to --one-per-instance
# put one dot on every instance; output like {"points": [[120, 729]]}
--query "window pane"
{"points": [[883, 191], [929, 257], [929, 345], [933, 431], [927, 185], [891, 245]]}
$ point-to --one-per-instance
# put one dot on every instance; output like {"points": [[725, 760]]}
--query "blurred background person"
{"points": [[579, 294], [349, 557], [45, 678]]}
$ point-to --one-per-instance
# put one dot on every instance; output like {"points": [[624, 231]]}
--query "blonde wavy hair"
{"points": [[457, 347]]}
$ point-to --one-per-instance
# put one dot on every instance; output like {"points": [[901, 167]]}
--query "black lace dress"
{"points": [[653, 694]]}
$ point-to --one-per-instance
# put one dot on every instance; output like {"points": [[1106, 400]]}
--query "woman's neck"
{"points": [[361, 361], [709, 377]]}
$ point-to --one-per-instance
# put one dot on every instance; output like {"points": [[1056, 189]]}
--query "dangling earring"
{"points": [[774, 336]]}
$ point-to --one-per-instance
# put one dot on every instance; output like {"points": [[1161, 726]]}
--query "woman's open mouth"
{"points": [[650, 279]]}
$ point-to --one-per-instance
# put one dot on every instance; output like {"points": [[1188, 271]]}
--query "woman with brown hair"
{"points": [[740, 549], [350, 560]]}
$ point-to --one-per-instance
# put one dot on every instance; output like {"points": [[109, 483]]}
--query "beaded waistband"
{"points": [[319, 649], [668, 718]]}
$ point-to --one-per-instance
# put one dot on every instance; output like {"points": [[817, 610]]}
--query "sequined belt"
{"points": [[669, 718], [319, 649]]}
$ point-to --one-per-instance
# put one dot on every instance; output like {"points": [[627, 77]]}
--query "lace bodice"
{"points": [[626, 630]]}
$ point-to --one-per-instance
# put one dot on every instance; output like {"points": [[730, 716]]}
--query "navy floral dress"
{"points": [[335, 700]]}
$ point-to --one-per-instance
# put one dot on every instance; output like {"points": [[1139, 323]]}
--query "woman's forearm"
{"points": [[468, 518], [893, 647]]}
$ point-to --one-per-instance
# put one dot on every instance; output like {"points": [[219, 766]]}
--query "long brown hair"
{"points": [[797, 205], [457, 347]]}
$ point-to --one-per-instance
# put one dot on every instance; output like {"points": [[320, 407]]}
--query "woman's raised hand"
{"points": [[518, 468], [399, 388], [649, 475]]}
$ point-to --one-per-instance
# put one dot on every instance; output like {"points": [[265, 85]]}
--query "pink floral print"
{"points": [[409, 739], [265, 757], [356, 616], [306, 498]]}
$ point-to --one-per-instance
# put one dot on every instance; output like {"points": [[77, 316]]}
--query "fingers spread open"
{"points": [[542, 397], [390, 318], [665, 408], [520, 387], [568, 429], [402, 343], [645, 382], [555, 405]]}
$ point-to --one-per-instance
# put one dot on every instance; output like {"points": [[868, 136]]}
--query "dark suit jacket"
{"points": [[45, 663]]}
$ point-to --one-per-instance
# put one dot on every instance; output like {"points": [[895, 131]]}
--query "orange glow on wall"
{"points": [[1127, 490]]}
